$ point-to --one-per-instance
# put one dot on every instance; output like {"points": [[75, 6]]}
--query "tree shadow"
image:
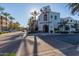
{"points": [[11, 46], [11, 37], [35, 52], [26, 52]]}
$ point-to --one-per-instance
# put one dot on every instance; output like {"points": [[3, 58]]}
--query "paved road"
{"points": [[10, 42]]}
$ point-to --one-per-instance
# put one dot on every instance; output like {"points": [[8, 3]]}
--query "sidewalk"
{"points": [[9, 34], [46, 46], [40, 48]]}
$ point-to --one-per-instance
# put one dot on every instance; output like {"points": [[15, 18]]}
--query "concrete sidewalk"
{"points": [[9, 34], [36, 46], [42, 48]]}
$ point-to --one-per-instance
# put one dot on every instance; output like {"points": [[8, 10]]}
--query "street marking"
{"points": [[66, 48]]}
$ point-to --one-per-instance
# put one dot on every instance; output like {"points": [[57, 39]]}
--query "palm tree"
{"points": [[34, 14], [30, 23], [17, 26], [6, 15], [11, 22], [1, 20], [74, 7], [62, 24], [76, 26]]}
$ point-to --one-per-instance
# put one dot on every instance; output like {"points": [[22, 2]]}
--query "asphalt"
{"points": [[40, 45], [10, 43]]}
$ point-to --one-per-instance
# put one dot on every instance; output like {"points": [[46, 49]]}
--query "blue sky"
{"points": [[21, 11]]}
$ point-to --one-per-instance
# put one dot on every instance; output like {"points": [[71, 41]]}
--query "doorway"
{"points": [[45, 28]]}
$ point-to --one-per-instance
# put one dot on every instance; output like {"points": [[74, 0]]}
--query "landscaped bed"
{"points": [[8, 54], [3, 32]]}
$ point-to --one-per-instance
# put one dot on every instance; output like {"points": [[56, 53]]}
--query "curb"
{"points": [[8, 34]]}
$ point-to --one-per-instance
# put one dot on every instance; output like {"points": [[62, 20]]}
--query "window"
{"points": [[67, 20], [45, 17], [51, 16], [71, 20], [38, 18], [55, 17]]}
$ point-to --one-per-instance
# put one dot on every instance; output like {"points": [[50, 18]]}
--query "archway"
{"points": [[45, 28]]}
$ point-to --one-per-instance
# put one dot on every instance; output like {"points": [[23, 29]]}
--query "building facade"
{"points": [[50, 22], [3, 23]]}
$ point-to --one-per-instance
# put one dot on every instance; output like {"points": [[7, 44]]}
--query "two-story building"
{"points": [[48, 21]]}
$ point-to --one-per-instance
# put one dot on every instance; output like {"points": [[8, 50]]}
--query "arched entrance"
{"points": [[45, 28]]}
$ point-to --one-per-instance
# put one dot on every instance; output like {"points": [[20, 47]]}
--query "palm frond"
{"points": [[74, 8]]}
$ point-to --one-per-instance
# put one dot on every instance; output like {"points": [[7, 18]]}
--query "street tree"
{"points": [[11, 22], [33, 20], [63, 25], [1, 18], [74, 8], [6, 15]]}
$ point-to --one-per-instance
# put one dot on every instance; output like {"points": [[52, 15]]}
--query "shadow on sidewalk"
{"points": [[10, 46], [35, 53], [26, 53]]}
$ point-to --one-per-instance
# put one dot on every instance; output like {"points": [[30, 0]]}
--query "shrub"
{"points": [[65, 32], [2, 32]]}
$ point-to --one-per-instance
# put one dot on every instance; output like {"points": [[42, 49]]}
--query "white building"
{"points": [[48, 21]]}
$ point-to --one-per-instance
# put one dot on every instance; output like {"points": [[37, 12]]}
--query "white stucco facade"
{"points": [[49, 20]]}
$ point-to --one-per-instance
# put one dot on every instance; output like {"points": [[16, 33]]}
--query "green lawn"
{"points": [[2, 33], [9, 54]]}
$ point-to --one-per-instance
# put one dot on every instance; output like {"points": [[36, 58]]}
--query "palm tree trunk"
{"points": [[11, 24], [1, 23], [6, 24]]}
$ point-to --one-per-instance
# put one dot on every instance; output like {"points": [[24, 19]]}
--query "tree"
{"points": [[67, 27], [76, 26], [34, 13], [62, 25], [11, 22], [16, 26], [1, 18], [31, 23], [6, 15], [74, 7], [33, 20]]}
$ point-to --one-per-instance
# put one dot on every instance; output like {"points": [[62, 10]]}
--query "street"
{"points": [[39, 45], [10, 42]]}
